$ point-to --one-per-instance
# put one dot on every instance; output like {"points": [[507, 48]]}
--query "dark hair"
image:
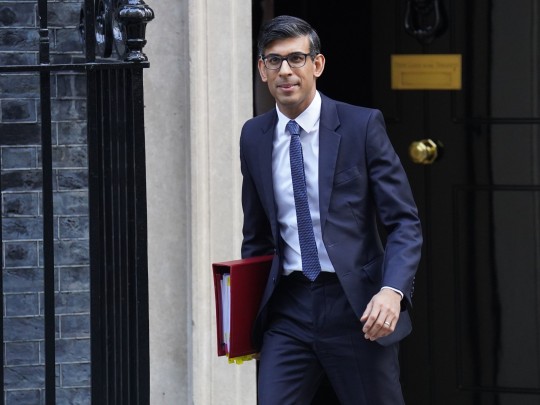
{"points": [[284, 27]]}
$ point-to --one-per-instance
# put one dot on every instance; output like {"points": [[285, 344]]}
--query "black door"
{"points": [[476, 337], [477, 319]]}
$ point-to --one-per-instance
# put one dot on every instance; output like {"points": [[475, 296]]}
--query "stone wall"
{"points": [[198, 94], [21, 186]]}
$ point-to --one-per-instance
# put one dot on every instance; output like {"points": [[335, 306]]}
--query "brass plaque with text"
{"points": [[426, 72]]}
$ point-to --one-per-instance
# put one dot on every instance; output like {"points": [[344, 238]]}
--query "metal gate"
{"points": [[113, 35]]}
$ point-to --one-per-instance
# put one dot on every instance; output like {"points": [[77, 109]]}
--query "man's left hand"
{"points": [[381, 314]]}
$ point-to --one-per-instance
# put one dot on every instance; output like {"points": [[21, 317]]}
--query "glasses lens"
{"points": [[272, 62], [296, 60]]}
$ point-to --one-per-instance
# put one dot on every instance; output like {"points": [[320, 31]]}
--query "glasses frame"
{"points": [[283, 58]]}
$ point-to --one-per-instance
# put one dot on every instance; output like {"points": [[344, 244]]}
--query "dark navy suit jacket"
{"points": [[360, 179]]}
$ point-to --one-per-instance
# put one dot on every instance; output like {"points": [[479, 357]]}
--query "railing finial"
{"points": [[134, 16], [120, 24]]}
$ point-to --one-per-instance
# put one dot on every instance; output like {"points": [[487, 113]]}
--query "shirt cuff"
{"points": [[393, 289]]}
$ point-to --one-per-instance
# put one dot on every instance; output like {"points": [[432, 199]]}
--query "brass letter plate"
{"points": [[426, 72]]}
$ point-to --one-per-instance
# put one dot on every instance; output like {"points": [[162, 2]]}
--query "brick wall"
{"points": [[21, 208]]}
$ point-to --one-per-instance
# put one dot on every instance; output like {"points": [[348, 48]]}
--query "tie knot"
{"points": [[293, 127]]}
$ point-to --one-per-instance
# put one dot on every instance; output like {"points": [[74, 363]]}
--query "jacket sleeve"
{"points": [[257, 233], [396, 208]]}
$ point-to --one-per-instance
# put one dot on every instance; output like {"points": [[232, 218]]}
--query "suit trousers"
{"points": [[312, 330]]}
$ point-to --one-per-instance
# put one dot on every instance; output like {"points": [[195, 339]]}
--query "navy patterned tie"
{"points": [[311, 267]]}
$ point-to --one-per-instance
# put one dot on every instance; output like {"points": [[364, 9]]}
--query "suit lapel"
{"points": [[328, 152]]}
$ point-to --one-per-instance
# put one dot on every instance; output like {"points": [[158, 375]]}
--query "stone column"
{"points": [[198, 93]]}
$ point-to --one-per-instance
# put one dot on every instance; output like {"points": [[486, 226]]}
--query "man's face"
{"points": [[293, 88]]}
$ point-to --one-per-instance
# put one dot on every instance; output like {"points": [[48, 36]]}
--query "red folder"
{"points": [[248, 279]]}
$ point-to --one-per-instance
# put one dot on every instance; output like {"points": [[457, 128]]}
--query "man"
{"points": [[336, 301]]}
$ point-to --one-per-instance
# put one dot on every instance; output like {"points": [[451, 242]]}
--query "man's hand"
{"points": [[381, 314]]}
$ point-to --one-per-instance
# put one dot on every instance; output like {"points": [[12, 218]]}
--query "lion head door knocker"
{"points": [[425, 19]]}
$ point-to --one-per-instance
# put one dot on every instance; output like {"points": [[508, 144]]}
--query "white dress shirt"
{"points": [[283, 189]]}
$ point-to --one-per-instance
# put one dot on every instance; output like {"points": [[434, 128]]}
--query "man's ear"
{"points": [[318, 63], [262, 70]]}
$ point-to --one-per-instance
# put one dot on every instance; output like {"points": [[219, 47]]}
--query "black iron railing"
{"points": [[117, 198]]}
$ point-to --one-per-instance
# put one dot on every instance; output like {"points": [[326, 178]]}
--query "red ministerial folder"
{"points": [[248, 279]]}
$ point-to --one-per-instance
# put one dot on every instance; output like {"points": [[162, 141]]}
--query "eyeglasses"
{"points": [[295, 60]]}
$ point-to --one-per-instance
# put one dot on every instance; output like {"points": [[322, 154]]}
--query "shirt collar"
{"points": [[307, 120]]}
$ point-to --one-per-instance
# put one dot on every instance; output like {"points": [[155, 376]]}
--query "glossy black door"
{"points": [[477, 318], [476, 337]]}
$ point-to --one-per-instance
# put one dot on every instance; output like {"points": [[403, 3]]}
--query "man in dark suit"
{"points": [[317, 174]]}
